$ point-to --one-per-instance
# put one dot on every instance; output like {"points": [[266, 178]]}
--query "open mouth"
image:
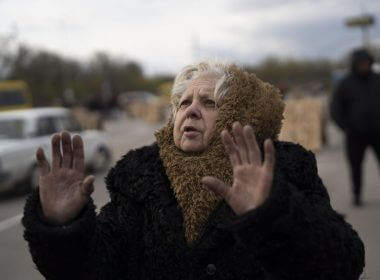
{"points": [[191, 132], [190, 129]]}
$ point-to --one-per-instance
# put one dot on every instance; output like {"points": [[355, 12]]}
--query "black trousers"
{"points": [[356, 145]]}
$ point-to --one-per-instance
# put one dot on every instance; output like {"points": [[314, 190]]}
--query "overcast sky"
{"points": [[165, 35]]}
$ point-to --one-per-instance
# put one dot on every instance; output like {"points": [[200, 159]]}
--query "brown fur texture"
{"points": [[249, 101]]}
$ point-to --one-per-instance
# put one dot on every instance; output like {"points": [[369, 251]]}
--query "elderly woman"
{"points": [[212, 198]]}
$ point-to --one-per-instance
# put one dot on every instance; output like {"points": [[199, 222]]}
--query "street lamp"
{"points": [[364, 22]]}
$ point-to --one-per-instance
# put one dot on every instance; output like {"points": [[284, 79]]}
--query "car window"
{"points": [[46, 126], [12, 129]]}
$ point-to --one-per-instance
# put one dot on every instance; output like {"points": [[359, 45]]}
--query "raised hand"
{"points": [[64, 190], [252, 178]]}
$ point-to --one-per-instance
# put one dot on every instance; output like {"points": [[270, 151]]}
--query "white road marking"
{"points": [[10, 222]]}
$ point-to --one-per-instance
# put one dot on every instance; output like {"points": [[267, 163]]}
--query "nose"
{"points": [[193, 111]]}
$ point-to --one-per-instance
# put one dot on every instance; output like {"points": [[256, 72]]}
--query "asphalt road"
{"points": [[16, 263], [333, 170]]}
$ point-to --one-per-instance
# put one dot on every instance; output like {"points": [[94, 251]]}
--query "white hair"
{"points": [[216, 70]]}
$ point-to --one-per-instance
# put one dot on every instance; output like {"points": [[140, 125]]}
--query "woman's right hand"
{"points": [[63, 188]]}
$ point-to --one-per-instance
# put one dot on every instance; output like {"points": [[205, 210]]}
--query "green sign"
{"points": [[361, 21]]}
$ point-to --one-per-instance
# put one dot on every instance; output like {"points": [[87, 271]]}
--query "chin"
{"points": [[192, 148]]}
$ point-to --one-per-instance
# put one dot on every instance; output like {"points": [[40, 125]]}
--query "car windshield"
{"points": [[12, 129]]}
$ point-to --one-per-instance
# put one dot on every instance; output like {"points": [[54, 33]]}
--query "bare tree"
{"points": [[6, 42]]}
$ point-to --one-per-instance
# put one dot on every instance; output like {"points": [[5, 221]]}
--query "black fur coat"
{"points": [[294, 235]]}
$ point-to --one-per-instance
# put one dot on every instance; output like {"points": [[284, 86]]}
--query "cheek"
{"points": [[176, 131], [210, 124]]}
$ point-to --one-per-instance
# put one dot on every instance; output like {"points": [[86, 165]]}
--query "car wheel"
{"points": [[101, 159]]}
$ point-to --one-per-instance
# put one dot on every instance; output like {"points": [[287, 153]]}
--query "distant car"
{"points": [[23, 131]]}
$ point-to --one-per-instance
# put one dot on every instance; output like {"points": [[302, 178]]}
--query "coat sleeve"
{"points": [[296, 234], [102, 246], [338, 106]]}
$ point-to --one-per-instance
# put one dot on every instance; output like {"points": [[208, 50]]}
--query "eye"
{"points": [[210, 103], [184, 103]]}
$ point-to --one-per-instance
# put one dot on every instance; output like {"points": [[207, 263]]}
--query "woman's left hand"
{"points": [[252, 178]]}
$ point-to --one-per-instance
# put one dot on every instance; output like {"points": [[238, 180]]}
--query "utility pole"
{"points": [[363, 22]]}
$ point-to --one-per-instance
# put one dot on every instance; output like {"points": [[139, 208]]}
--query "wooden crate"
{"points": [[137, 109], [303, 123], [152, 112], [157, 111], [88, 119]]}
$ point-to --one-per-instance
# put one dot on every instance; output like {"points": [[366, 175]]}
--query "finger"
{"points": [[42, 163], [254, 152], [78, 154], [230, 148], [217, 186], [67, 151], [56, 151], [269, 158], [237, 130], [87, 187]]}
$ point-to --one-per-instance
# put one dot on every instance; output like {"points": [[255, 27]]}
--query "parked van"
{"points": [[14, 95]]}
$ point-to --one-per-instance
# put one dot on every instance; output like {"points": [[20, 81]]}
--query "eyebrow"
{"points": [[206, 96]]}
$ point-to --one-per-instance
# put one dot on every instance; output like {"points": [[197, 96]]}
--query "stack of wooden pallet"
{"points": [[153, 112], [88, 119], [303, 123]]}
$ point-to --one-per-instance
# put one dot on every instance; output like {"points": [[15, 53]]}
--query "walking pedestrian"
{"points": [[355, 108]]}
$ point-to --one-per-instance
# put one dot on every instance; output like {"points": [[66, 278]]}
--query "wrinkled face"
{"points": [[196, 116]]}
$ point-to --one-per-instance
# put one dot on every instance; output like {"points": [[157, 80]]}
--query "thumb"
{"points": [[87, 187], [216, 185]]}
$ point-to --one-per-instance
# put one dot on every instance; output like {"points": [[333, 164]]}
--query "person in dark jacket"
{"points": [[355, 109], [210, 199]]}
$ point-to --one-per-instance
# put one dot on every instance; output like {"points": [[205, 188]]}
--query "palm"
{"points": [[252, 178], [64, 190]]}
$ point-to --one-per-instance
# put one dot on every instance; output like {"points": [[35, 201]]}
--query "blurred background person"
{"points": [[355, 109]]}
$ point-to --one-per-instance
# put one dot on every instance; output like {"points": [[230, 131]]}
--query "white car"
{"points": [[23, 131]]}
